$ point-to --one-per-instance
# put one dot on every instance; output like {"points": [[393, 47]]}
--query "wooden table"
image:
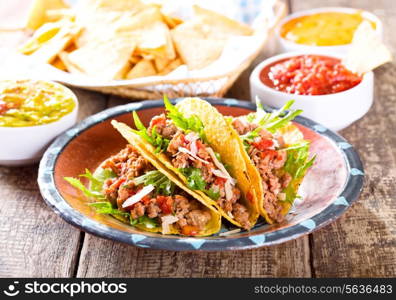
{"points": [[34, 241]]}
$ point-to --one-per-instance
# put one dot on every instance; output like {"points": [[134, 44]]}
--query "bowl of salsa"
{"points": [[326, 29], [321, 86], [32, 114]]}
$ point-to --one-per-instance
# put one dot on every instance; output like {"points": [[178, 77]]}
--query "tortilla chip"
{"points": [[64, 57], [200, 41], [143, 68], [50, 39], [134, 59], [112, 5], [54, 15], [58, 63], [170, 67], [171, 21], [106, 60], [37, 14], [71, 47], [367, 51], [97, 26], [196, 50], [152, 34], [223, 25], [102, 18], [156, 40], [144, 18], [160, 63], [215, 223]]}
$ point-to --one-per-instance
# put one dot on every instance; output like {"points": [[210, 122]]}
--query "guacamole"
{"points": [[33, 102]]}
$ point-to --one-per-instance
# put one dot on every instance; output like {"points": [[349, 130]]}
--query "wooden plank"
{"points": [[34, 241], [115, 101], [104, 258], [363, 242]]}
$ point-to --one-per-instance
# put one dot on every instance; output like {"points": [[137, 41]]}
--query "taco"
{"points": [[277, 157], [145, 195], [187, 146]]}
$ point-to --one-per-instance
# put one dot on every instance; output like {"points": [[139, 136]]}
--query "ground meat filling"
{"points": [[267, 154], [129, 164], [195, 154]]}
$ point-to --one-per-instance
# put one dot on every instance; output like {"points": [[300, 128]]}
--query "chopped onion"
{"points": [[218, 173], [276, 144], [191, 137], [228, 190], [138, 196], [194, 148], [220, 165], [166, 221], [185, 150]]}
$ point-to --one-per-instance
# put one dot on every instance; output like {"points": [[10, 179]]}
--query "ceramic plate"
{"points": [[329, 188]]}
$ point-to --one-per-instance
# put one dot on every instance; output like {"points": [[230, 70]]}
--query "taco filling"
{"points": [[266, 152], [142, 195], [281, 163], [202, 167], [183, 142]]}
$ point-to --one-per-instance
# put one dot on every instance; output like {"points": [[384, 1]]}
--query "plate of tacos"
{"points": [[200, 174]]}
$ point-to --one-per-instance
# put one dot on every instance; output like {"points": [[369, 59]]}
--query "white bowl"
{"points": [[26, 145], [334, 111], [285, 45]]}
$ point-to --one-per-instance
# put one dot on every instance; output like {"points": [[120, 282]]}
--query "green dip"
{"points": [[31, 103]]}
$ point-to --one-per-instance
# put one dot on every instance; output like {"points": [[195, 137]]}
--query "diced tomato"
{"points": [[220, 181], [199, 144], [160, 120], [190, 230], [145, 200], [263, 144], [3, 107], [165, 203], [309, 75], [118, 182], [268, 152]]}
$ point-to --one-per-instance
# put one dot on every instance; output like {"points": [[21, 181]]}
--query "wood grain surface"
{"points": [[36, 242]]}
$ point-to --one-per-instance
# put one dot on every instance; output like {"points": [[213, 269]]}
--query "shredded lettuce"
{"points": [[196, 182], [249, 137], [87, 192], [160, 143], [192, 123], [296, 165], [274, 120], [145, 221], [162, 184], [97, 181], [105, 207]]}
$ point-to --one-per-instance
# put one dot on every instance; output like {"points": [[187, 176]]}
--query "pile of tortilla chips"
{"points": [[125, 39]]}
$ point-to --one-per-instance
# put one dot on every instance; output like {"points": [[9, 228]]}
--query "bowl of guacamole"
{"points": [[32, 114]]}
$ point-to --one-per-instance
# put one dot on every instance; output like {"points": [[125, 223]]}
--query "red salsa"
{"points": [[309, 75]]}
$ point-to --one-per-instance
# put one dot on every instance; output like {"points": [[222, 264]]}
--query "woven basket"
{"points": [[215, 86]]}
